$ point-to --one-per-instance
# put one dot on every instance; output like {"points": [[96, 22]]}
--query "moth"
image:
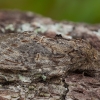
{"points": [[32, 56]]}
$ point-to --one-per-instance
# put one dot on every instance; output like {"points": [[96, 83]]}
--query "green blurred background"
{"points": [[73, 10]]}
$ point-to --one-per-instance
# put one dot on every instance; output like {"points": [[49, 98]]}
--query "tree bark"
{"points": [[51, 61]]}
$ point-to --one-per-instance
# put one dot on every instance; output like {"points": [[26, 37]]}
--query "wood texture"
{"points": [[46, 62]]}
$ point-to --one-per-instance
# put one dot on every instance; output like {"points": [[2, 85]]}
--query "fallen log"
{"points": [[44, 63]]}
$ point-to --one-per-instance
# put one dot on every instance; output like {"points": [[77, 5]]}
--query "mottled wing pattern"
{"points": [[37, 54]]}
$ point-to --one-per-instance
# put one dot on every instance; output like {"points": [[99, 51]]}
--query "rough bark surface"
{"points": [[51, 61]]}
